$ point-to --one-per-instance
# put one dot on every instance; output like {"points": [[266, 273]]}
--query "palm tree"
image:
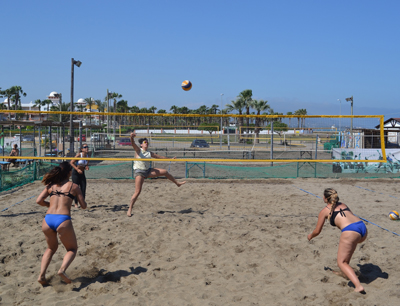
{"points": [[174, 110], [47, 102], [237, 105], [17, 91], [80, 107], [303, 112], [38, 104], [246, 96], [151, 109], [162, 111], [101, 106], [289, 114], [259, 106], [8, 93], [298, 113], [184, 110], [64, 108], [134, 109], [114, 96], [90, 102], [122, 107], [202, 110]]}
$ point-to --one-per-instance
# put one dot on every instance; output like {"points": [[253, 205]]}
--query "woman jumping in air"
{"points": [[142, 169]]}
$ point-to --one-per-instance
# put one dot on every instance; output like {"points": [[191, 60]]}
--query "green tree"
{"points": [[246, 95], [237, 105], [47, 103], [209, 127], [122, 107], [8, 93], [279, 127], [289, 114], [259, 106], [17, 91], [90, 102], [38, 104]]}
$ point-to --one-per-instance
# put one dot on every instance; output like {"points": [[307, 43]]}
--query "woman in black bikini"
{"points": [[78, 174], [58, 217], [353, 229]]}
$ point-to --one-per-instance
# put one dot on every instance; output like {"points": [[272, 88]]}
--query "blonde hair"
{"points": [[332, 197]]}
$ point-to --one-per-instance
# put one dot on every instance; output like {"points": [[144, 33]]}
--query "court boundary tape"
{"points": [[354, 214], [17, 203], [376, 191]]}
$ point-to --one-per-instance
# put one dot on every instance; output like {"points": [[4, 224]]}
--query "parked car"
{"points": [[125, 142], [199, 143], [28, 138], [83, 138]]}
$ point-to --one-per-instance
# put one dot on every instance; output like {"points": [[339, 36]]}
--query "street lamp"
{"points": [[351, 124], [340, 126], [71, 126], [220, 137]]}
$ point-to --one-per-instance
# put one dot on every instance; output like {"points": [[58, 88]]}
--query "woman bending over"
{"points": [[353, 230]]}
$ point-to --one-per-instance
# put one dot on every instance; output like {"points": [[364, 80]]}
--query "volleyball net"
{"points": [[213, 146]]}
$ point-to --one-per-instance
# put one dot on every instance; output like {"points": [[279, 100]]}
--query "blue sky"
{"points": [[294, 54]]}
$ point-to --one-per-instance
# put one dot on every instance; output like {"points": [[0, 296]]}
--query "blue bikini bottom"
{"points": [[54, 221], [358, 227]]}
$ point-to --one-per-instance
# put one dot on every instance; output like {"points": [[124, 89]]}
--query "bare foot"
{"points": [[64, 277], [179, 184], [360, 290], [76, 206], [129, 213], [43, 281]]}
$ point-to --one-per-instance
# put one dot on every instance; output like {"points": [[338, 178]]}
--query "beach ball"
{"points": [[186, 85], [394, 215]]}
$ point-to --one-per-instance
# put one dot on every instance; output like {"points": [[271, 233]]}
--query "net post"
{"points": [[34, 171]]}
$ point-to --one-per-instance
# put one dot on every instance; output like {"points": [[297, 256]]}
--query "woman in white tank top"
{"points": [[142, 169]]}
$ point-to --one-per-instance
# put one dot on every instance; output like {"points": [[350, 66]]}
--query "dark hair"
{"points": [[83, 144], [143, 139], [57, 174]]}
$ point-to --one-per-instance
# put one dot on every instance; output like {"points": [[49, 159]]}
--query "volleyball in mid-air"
{"points": [[394, 215], [186, 85]]}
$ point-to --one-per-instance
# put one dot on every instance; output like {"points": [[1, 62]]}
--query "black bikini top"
{"points": [[335, 213], [59, 193]]}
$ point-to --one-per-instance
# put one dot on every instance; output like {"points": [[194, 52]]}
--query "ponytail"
{"points": [[332, 198], [57, 174]]}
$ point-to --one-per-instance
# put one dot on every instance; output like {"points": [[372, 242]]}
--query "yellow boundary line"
{"points": [[200, 159], [188, 115]]}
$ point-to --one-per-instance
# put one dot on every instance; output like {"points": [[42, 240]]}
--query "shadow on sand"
{"points": [[102, 277]]}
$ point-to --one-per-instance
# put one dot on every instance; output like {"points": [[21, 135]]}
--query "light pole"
{"points": [[71, 126], [220, 137], [351, 124], [340, 126]]}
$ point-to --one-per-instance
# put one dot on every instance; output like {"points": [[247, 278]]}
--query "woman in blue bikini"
{"points": [[58, 217], [353, 230]]}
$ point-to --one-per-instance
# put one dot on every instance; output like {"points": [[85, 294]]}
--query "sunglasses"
{"points": [[145, 141], [85, 147]]}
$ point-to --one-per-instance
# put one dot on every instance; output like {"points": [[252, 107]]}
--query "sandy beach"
{"points": [[209, 242]]}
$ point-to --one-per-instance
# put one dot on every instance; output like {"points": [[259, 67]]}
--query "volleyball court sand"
{"points": [[227, 242]]}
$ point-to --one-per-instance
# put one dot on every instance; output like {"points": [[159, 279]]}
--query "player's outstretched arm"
{"points": [[134, 145]]}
